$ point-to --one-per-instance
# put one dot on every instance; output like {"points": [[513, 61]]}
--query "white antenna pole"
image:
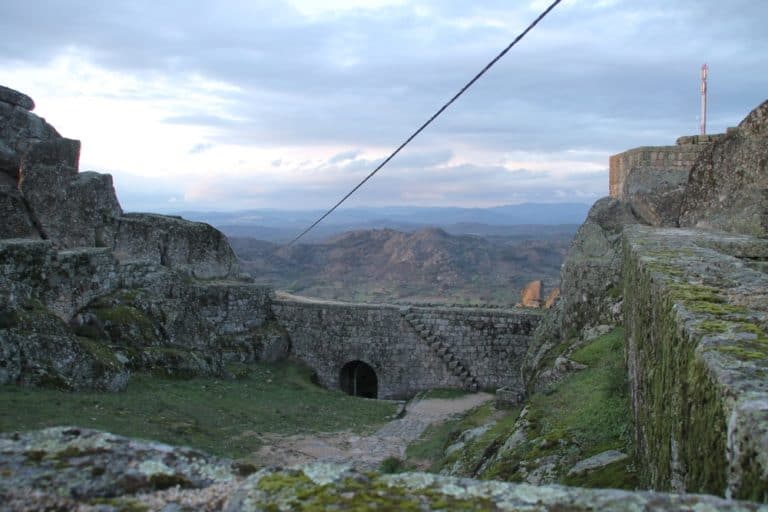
{"points": [[703, 125]]}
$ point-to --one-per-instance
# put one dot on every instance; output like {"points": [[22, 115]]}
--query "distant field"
{"points": [[222, 417]]}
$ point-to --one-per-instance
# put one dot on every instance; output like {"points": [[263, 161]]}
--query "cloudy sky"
{"points": [[239, 104]]}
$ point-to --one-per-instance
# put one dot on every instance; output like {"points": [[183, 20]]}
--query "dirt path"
{"points": [[366, 451]]}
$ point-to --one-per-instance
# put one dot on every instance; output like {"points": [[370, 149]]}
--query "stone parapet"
{"points": [[681, 157], [696, 318]]}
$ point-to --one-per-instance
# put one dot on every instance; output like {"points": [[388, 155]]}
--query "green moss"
{"points": [[294, 491], [618, 475], [100, 351], [712, 326], [746, 352], [678, 404]]}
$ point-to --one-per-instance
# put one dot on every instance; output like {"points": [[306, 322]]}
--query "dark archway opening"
{"points": [[359, 379]]}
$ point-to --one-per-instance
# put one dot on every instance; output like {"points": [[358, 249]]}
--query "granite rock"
{"points": [[728, 185], [192, 247], [16, 98], [655, 195]]}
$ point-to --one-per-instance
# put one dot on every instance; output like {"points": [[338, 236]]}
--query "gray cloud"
{"points": [[593, 76]]}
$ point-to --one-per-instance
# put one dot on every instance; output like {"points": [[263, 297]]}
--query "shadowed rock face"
{"points": [[655, 195], [728, 185]]}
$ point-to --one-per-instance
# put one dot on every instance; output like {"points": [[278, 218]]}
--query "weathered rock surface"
{"points": [[65, 468], [728, 185], [590, 292], [597, 461], [192, 247], [73, 209], [19, 131], [16, 98], [696, 320], [655, 195], [17, 220], [591, 274]]}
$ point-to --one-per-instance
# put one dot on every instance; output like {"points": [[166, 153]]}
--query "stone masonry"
{"points": [[696, 320], [679, 157], [488, 343]]}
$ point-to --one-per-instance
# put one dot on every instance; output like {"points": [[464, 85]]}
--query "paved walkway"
{"points": [[367, 451]]}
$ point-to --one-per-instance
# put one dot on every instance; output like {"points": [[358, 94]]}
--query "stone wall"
{"points": [[488, 343], [679, 157], [696, 318]]}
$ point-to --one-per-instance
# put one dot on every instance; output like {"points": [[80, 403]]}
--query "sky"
{"points": [[235, 104]]}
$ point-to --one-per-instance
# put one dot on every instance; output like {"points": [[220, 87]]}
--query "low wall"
{"points": [[401, 343], [696, 317]]}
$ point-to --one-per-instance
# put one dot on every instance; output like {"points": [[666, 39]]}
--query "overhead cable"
{"points": [[429, 121]]}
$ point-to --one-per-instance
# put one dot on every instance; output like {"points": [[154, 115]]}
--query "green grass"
{"points": [[590, 407], [218, 416]]}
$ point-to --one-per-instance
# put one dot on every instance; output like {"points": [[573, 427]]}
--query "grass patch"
{"points": [[583, 415], [591, 406], [222, 417]]}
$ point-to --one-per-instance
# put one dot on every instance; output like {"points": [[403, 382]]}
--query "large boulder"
{"points": [[728, 185], [73, 209], [19, 130], [655, 195], [192, 247], [16, 98]]}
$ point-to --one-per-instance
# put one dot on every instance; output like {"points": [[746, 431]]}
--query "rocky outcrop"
{"points": [[88, 293], [19, 131], [192, 247], [73, 209], [66, 468], [728, 185], [591, 276], [43, 195]]}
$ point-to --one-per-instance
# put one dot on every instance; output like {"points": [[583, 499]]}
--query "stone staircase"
{"points": [[442, 350]]}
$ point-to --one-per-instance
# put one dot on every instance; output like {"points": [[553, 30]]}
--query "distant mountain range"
{"points": [[284, 225], [427, 265]]}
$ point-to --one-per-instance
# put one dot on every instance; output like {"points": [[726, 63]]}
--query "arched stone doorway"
{"points": [[359, 379]]}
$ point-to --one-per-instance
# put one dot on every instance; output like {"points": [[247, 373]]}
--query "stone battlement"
{"points": [[679, 157]]}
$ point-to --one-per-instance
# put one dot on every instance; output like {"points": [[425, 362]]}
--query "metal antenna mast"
{"points": [[703, 125]]}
